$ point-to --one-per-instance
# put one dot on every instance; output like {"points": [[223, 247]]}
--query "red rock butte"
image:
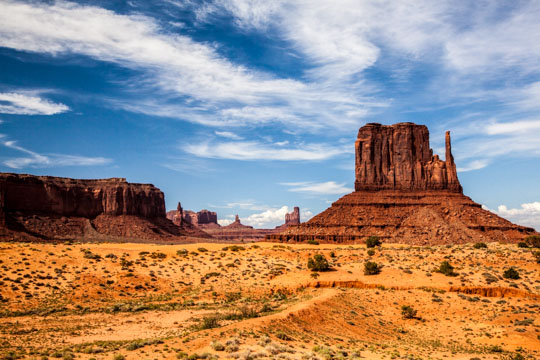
{"points": [[54, 208], [404, 194]]}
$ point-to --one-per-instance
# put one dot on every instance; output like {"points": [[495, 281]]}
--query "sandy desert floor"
{"points": [[206, 301]]}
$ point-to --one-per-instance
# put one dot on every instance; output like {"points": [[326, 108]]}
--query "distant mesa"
{"points": [[201, 219], [404, 194], [37, 208]]}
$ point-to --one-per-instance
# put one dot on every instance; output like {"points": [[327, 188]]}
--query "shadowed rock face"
{"points": [[53, 208], [398, 157], [81, 198]]}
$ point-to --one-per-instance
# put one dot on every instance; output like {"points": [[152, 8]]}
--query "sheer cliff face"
{"points": [[81, 198], [398, 157]]}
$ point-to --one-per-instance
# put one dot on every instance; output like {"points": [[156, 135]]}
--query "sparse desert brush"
{"points": [[234, 248], [182, 252], [371, 252], [480, 245], [536, 254], [318, 263], [446, 269], [217, 346], [313, 242], [373, 241], [511, 273], [202, 250], [210, 322], [533, 240], [523, 244], [372, 268], [408, 312]]}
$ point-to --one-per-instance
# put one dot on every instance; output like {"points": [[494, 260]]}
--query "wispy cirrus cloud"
{"points": [[177, 66], [35, 160], [23, 104], [323, 188], [254, 150]]}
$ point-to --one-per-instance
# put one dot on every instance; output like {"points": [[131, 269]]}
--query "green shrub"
{"points": [[182, 252], [533, 240], [407, 312], [446, 269], [522, 244], [210, 322], [480, 245], [201, 249], [511, 273], [313, 242], [118, 357], [371, 252], [536, 254], [318, 263], [372, 268], [373, 241]]}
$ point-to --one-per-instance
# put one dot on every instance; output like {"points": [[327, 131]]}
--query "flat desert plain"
{"points": [[249, 301]]}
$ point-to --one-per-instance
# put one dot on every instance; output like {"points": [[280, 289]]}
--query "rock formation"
{"points": [[404, 194], [52, 208], [293, 218], [398, 157]]}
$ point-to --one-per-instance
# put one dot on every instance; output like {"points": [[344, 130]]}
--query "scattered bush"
{"points": [[373, 241], [217, 346], [480, 245], [119, 357], [313, 242], [533, 240], [407, 312], [318, 263], [372, 268], [371, 252], [209, 322], [511, 273], [158, 255], [523, 244], [202, 250], [446, 269], [182, 252], [233, 248], [536, 254]]}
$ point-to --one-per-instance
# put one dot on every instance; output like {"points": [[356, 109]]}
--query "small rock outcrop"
{"points": [[54, 208], [404, 194], [293, 218]]}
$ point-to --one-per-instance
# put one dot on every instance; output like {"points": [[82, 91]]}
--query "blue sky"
{"points": [[252, 107]]}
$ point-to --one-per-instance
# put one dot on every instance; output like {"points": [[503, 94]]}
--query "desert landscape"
{"points": [[204, 301], [269, 179], [90, 274]]}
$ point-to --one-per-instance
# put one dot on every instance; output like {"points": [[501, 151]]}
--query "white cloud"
{"points": [[268, 218], [35, 160], [523, 126], [206, 83], [228, 135], [528, 214], [21, 104], [225, 222], [326, 188], [252, 150]]}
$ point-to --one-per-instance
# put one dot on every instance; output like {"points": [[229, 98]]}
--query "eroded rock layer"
{"points": [[53, 208], [413, 217], [404, 194], [398, 157]]}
